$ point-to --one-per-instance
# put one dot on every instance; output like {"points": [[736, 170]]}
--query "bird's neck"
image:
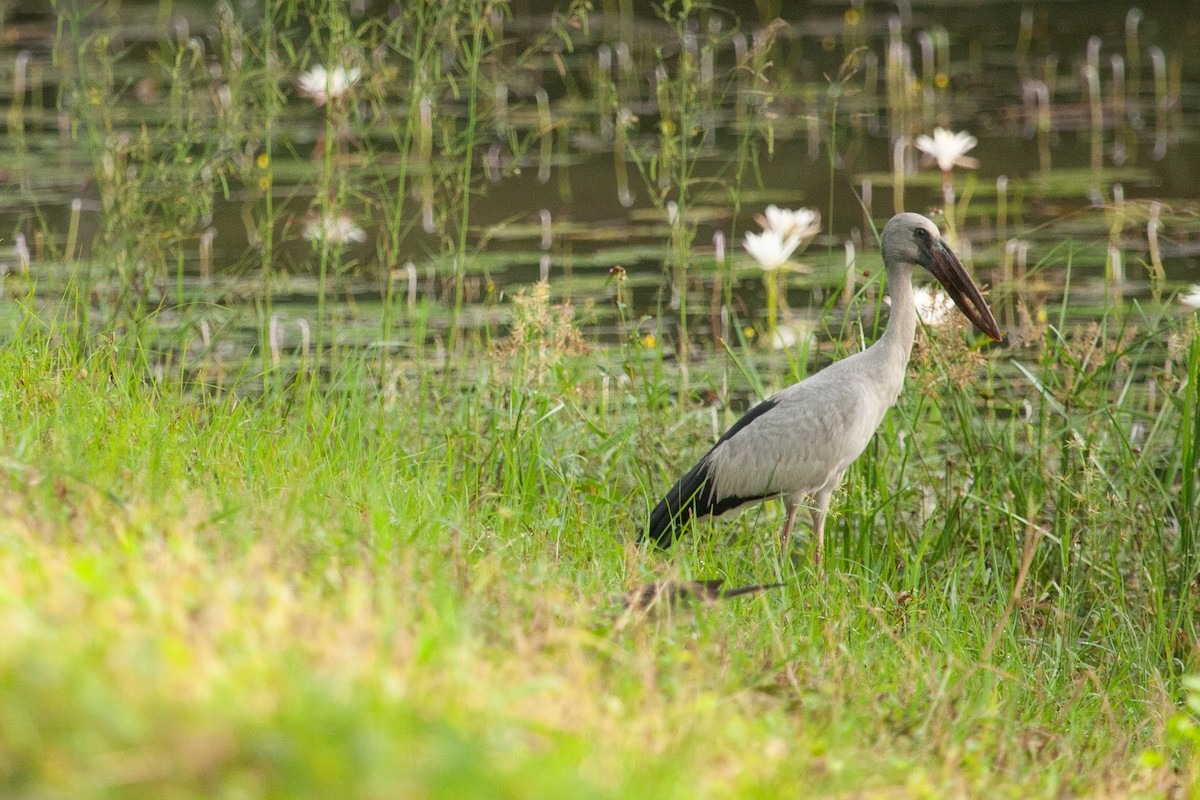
{"points": [[897, 340]]}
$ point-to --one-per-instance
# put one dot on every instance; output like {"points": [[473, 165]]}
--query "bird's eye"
{"points": [[922, 235]]}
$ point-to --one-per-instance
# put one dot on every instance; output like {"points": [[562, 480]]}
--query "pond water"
{"points": [[164, 165]]}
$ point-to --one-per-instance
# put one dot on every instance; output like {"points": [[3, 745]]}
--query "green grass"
{"points": [[408, 593]]}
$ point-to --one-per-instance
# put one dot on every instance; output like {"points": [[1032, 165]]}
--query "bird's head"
{"points": [[913, 239]]}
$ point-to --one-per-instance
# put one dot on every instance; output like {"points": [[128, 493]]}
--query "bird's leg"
{"points": [[819, 532], [819, 512], [786, 534]]}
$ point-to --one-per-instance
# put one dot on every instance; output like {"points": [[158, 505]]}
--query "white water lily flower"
{"points": [[1192, 298], [785, 336], [788, 334], [336, 228], [949, 149], [932, 307], [803, 222], [770, 249], [323, 85]]}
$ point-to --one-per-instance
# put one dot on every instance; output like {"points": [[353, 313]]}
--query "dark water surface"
{"points": [[1085, 158]]}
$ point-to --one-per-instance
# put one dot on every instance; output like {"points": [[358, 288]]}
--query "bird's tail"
{"points": [[691, 494]]}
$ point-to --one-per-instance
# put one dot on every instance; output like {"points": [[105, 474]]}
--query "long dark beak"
{"points": [[962, 290]]}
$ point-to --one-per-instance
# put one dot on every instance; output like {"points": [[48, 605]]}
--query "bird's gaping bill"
{"points": [[950, 272]]}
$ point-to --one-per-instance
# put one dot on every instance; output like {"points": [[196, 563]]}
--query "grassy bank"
{"points": [[348, 592]]}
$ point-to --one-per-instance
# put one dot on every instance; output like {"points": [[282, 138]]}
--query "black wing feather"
{"points": [[695, 493]]}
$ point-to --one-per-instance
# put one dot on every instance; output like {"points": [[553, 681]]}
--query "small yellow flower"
{"points": [[263, 161], [263, 183], [828, 44], [852, 16], [649, 340], [941, 80], [748, 332]]}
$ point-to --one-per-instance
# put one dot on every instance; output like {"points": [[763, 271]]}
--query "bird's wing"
{"points": [[797, 442], [693, 495], [812, 432]]}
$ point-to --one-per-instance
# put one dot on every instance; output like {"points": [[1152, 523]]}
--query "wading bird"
{"points": [[798, 443]]}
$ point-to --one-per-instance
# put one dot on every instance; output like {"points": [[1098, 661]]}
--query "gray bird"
{"points": [[798, 443]]}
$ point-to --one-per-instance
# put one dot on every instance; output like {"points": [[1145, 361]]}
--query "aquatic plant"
{"points": [[948, 149], [934, 308], [802, 223], [334, 228], [770, 248], [323, 85], [1191, 298], [784, 233]]}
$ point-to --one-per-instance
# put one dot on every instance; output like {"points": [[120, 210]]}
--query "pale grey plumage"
{"points": [[800, 442]]}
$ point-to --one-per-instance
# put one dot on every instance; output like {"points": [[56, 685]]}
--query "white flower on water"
{"points": [[784, 337], [323, 85], [949, 149], [787, 334], [770, 249], [1192, 298], [336, 228], [933, 307], [803, 222]]}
